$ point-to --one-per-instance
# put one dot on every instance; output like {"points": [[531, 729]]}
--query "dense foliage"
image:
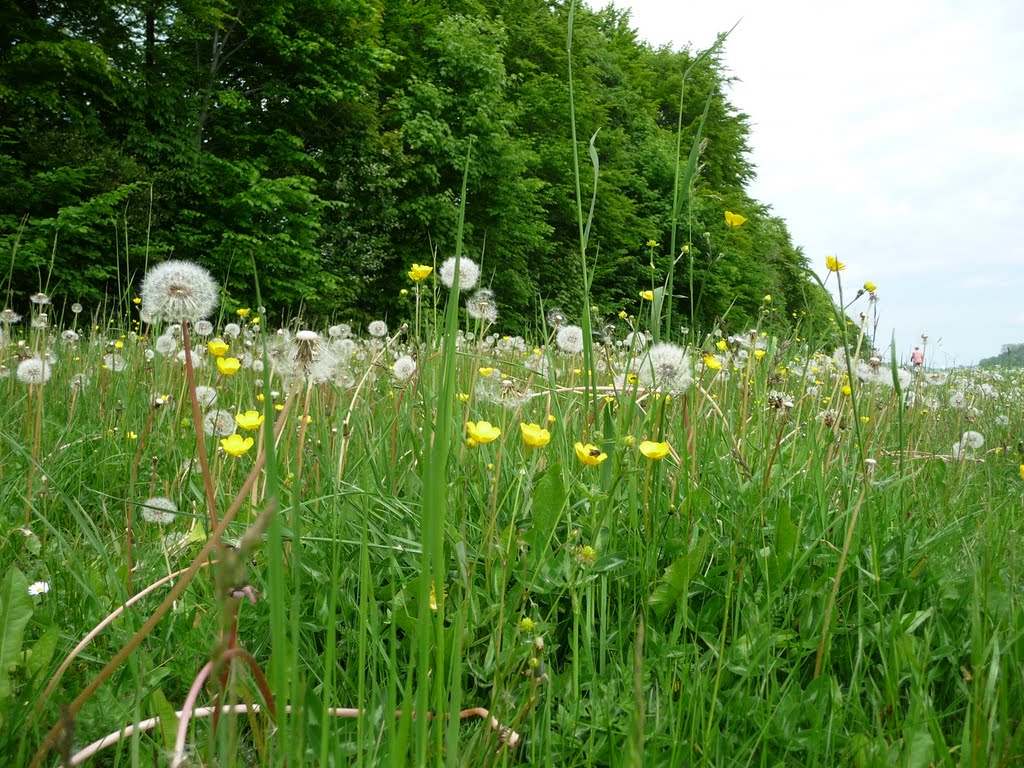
{"points": [[324, 140], [1010, 354]]}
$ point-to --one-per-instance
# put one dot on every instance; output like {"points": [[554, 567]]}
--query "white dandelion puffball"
{"points": [[469, 273], [570, 339], [377, 328], [33, 371], [667, 367], [972, 439], [176, 291], [166, 345], [219, 423], [404, 368], [159, 510]]}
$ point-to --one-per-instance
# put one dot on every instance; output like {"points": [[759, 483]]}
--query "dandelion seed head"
{"points": [[972, 440], [9, 317], [232, 330], [482, 306], [377, 328], [666, 367], [76, 308], [203, 328], [570, 339], [206, 396], [177, 291], [159, 510], [166, 345], [403, 368], [39, 299], [469, 273], [219, 423], [33, 371]]}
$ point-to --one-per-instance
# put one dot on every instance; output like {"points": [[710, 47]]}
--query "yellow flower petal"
{"points": [[228, 365], [654, 451], [832, 264], [420, 272], [734, 219], [249, 420], [217, 348], [589, 454], [482, 431], [236, 445], [534, 435]]}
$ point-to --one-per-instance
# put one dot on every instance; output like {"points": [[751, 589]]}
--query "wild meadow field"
{"points": [[424, 542]]}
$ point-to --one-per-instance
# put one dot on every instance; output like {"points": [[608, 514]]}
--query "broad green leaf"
{"points": [[676, 580], [168, 718], [38, 657], [15, 611], [548, 502]]}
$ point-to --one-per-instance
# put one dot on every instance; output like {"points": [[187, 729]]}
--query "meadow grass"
{"points": [[823, 569]]}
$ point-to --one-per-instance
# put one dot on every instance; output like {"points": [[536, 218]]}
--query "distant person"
{"points": [[917, 357]]}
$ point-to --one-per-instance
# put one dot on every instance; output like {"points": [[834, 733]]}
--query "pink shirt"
{"points": [[917, 357]]}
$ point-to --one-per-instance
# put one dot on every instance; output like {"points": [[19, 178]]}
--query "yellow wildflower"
{"points": [[654, 451], [759, 353], [712, 362], [647, 295], [228, 365], [846, 390], [242, 312], [236, 445], [420, 272], [832, 264], [589, 454], [482, 432], [217, 348], [734, 219], [870, 287], [485, 372], [534, 435], [249, 420]]}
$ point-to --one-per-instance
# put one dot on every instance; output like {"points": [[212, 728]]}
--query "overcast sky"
{"points": [[890, 134]]}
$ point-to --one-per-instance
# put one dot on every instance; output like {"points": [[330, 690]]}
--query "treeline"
{"points": [[326, 140], [1010, 355]]}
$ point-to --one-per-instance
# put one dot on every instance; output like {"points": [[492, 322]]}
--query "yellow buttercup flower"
{"points": [[482, 432], [1022, 471], [228, 365], [420, 272], [767, 298], [832, 264], [589, 454], [653, 244], [249, 420], [846, 389], [217, 348], [759, 353], [236, 445], [734, 219], [722, 345], [870, 287], [485, 372], [712, 362], [242, 312], [534, 435], [647, 295], [653, 450]]}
